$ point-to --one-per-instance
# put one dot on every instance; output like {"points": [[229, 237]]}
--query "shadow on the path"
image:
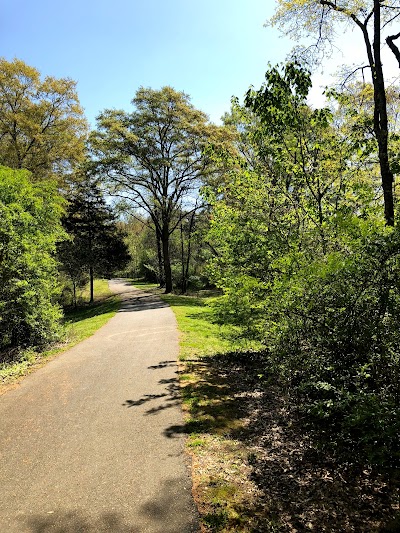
{"points": [[162, 364], [79, 522], [166, 512], [170, 511], [171, 397], [134, 299], [141, 302]]}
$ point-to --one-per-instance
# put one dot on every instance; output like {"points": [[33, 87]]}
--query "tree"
{"points": [[96, 242], [42, 127], [29, 231], [307, 267], [308, 158], [155, 157], [319, 17]]}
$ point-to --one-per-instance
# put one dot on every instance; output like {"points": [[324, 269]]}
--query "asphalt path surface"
{"points": [[93, 441]]}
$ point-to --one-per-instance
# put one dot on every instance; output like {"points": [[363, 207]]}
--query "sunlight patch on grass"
{"points": [[201, 335]]}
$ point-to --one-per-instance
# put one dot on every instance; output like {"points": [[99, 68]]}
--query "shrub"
{"points": [[29, 229]]}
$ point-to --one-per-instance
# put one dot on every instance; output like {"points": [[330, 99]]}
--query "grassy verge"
{"points": [[82, 322], [200, 335], [223, 489], [79, 324], [256, 467]]}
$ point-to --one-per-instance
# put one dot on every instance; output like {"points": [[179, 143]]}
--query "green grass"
{"points": [[201, 335], [79, 324], [222, 489]]}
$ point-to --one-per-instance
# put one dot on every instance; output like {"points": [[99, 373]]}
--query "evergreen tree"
{"points": [[96, 244]]}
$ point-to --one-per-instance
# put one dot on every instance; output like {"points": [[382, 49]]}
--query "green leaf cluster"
{"points": [[308, 267], [29, 231], [42, 126]]}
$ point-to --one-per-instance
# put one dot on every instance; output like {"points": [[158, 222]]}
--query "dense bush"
{"points": [[29, 229], [330, 323], [336, 341]]}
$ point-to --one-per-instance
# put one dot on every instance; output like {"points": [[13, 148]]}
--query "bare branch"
{"points": [[351, 74], [390, 42], [339, 9]]}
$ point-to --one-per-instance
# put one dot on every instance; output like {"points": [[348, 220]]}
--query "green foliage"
{"points": [[42, 126], [308, 268], [29, 230]]}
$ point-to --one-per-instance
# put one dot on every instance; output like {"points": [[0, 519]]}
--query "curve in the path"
{"points": [[92, 442]]}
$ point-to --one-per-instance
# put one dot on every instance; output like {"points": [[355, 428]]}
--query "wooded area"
{"points": [[287, 211]]}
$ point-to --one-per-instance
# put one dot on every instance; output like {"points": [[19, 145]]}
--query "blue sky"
{"points": [[211, 49]]}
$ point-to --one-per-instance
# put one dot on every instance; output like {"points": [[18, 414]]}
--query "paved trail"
{"points": [[92, 442]]}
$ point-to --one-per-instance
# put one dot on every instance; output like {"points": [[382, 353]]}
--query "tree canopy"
{"points": [[155, 157], [42, 126]]}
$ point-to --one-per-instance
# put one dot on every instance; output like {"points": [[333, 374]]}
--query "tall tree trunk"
{"points": [[381, 120], [189, 247], [167, 260], [74, 293], [161, 276], [380, 104], [183, 272], [91, 284]]}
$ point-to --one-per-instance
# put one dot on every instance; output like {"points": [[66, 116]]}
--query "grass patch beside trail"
{"points": [[79, 324], [256, 467], [224, 493], [200, 334], [82, 322]]}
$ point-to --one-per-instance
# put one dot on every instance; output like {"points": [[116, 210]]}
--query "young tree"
{"points": [[307, 156], [42, 126], [96, 242], [320, 17], [29, 231], [155, 157]]}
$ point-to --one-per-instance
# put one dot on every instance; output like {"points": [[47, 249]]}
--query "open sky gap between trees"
{"points": [[289, 213]]}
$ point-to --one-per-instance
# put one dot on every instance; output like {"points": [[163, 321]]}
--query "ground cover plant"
{"points": [[258, 463]]}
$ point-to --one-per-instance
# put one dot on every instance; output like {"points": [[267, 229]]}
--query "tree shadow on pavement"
{"points": [[141, 302], [166, 512], [170, 511], [79, 522], [170, 397]]}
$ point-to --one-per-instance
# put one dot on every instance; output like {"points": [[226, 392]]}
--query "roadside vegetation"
{"points": [[78, 324], [257, 462]]}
